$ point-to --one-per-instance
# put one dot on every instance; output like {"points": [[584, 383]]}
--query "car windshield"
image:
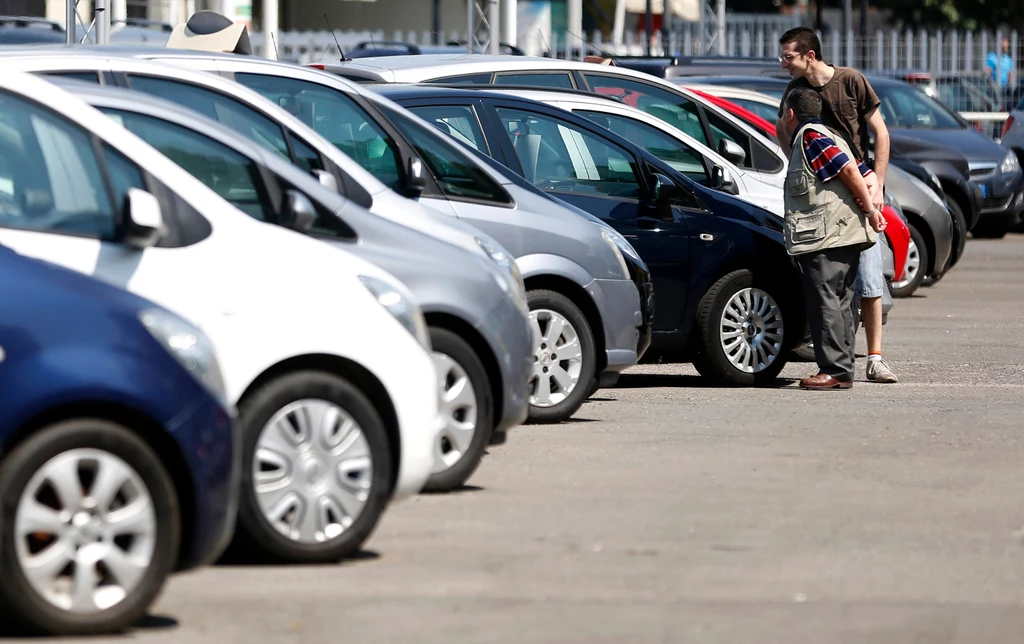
{"points": [[906, 107]]}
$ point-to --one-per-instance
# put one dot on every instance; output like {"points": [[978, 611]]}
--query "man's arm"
{"points": [[851, 176], [877, 125]]}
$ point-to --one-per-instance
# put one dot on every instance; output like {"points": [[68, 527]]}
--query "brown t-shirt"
{"points": [[846, 103]]}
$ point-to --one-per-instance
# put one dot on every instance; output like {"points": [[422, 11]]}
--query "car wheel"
{"points": [[917, 260], [564, 362], [742, 331], [316, 469], [960, 226], [91, 529], [994, 226], [468, 410]]}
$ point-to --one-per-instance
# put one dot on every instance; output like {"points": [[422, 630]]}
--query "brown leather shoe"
{"points": [[825, 381]]}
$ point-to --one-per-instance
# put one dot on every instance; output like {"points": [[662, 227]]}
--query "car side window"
{"points": [[670, 150], [563, 158], [765, 111], [678, 111], [90, 77], [458, 121], [219, 107], [336, 117], [455, 171], [464, 79], [228, 173], [559, 79], [50, 177], [723, 130]]}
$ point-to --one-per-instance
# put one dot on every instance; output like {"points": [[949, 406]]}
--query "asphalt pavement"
{"points": [[669, 511]]}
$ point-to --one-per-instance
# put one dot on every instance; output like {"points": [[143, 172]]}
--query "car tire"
{"points": [[547, 307], [993, 226], [86, 449], [960, 224], [458, 367], [342, 409], [917, 263], [710, 356]]}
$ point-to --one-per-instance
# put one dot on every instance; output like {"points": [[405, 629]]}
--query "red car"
{"points": [[896, 230]]}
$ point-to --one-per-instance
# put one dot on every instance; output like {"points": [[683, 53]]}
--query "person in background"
{"points": [[828, 224], [1001, 67], [849, 110]]}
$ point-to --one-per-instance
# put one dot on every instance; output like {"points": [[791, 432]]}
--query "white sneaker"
{"points": [[879, 371]]}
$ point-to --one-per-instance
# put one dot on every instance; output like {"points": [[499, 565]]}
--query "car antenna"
{"points": [[277, 54], [340, 50]]}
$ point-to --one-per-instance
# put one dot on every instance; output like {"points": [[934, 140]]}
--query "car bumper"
{"points": [[510, 336], [1002, 195], [214, 458], [413, 389], [618, 302]]}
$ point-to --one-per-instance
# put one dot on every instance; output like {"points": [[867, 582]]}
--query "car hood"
{"points": [[928, 144]]}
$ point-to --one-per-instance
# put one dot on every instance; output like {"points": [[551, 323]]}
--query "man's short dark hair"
{"points": [[805, 103], [805, 38]]}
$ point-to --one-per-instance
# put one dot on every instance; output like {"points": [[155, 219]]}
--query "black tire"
{"points": [[587, 381], [960, 226], [709, 357], [994, 226], [256, 536], [913, 284], [447, 343], [19, 601]]}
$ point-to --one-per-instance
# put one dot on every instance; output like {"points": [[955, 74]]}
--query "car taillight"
{"points": [[1007, 125]]}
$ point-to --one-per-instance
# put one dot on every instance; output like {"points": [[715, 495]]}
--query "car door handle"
{"points": [[707, 237]]}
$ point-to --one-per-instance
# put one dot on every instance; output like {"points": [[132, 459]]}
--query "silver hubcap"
{"points": [[458, 404], [312, 471], [85, 531], [752, 330], [913, 265], [557, 358]]}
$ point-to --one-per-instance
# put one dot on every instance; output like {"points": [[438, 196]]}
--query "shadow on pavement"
{"points": [[147, 623], [233, 559]]}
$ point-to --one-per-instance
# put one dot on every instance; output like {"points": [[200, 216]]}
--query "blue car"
{"points": [[118, 458], [729, 297]]}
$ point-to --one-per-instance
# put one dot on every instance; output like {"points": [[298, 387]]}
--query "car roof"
{"points": [[726, 91], [727, 79], [414, 68]]}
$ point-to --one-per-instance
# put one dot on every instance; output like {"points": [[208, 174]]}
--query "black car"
{"points": [[729, 297], [919, 124]]}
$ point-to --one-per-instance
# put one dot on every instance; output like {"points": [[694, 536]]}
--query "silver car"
{"points": [[589, 293], [478, 318]]}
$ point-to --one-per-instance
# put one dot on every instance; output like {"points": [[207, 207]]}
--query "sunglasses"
{"points": [[789, 57]]}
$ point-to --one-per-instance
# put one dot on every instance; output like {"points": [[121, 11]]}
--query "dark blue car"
{"points": [[117, 463], [729, 297]]}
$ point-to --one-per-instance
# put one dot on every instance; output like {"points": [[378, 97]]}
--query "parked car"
{"points": [[726, 285], [28, 30], [119, 459], [581, 279], [316, 339], [476, 316], [913, 117]]}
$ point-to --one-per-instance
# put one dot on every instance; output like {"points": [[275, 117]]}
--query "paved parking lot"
{"points": [[669, 511]]}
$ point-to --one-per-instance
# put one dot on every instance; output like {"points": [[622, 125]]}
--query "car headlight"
{"points": [[507, 264], [1009, 164], [619, 247], [924, 187], [189, 346], [403, 309]]}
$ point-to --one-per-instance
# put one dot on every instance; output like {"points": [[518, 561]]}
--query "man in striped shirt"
{"points": [[825, 157]]}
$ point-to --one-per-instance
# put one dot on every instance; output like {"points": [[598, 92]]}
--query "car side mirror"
{"points": [[662, 188], [732, 151], [327, 180], [143, 218], [721, 179], [415, 181], [299, 213]]}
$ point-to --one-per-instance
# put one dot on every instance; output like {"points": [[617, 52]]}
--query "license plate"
{"points": [[984, 190]]}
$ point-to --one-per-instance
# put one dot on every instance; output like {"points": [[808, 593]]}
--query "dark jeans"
{"points": [[829, 278]]}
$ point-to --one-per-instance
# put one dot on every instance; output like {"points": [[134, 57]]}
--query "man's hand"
{"points": [[877, 193], [877, 221]]}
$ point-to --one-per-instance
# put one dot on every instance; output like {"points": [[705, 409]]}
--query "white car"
{"points": [[671, 145], [325, 355]]}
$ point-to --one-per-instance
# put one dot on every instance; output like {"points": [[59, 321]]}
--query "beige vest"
{"points": [[821, 214]]}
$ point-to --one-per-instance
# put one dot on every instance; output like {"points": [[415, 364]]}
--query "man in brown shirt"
{"points": [[850, 109]]}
